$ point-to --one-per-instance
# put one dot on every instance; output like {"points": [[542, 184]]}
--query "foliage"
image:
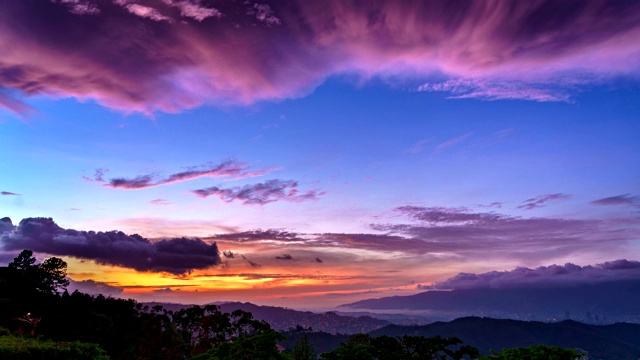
{"points": [[363, 347], [302, 349], [535, 352], [49, 277], [18, 348], [249, 347]]}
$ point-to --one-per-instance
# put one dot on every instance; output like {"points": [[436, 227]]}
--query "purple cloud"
{"points": [[8, 193], [98, 176], [257, 235], [489, 89], [176, 256], [170, 55], [475, 235], [540, 201], [261, 193], [159, 202], [232, 169], [624, 199], [377, 242], [545, 276]]}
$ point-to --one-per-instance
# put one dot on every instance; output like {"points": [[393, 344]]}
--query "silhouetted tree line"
{"points": [[39, 319]]}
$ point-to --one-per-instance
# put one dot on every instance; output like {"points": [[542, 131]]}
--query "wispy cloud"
{"points": [[453, 141], [252, 263], [416, 148], [499, 90], [624, 199], [540, 201], [230, 169], [80, 7], [261, 193], [258, 235], [194, 9], [179, 54], [9, 193]]}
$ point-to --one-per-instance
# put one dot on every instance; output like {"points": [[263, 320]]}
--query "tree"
{"points": [[365, 347], [53, 275], [302, 349], [23, 261], [535, 352], [49, 277]]}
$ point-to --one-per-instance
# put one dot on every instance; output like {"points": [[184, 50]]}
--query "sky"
{"points": [[313, 153]]}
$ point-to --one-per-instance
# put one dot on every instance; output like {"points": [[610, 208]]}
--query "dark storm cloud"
{"points": [[624, 199], [176, 256], [540, 201], [169, 55], [261, 193], [545, 276]]}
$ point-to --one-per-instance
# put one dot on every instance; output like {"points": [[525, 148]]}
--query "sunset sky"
{"points": [[312, 153]]}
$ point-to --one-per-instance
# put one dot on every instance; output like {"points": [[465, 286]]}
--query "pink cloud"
{"points": [[168, 55]]}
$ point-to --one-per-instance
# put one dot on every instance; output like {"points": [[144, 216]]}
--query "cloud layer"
{"points": [[476, 235], [176, 256], [168, 55], [544, 276]]}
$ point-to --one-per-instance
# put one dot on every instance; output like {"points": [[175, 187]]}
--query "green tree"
{"points": [[49, 277], [53, 275], [535, 352], [363, 347], [302, 349]]}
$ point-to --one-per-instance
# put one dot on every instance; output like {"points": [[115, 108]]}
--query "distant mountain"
{"points": [[607, 342], [604, 302], [329, 322], [282, 319], [602, 342]]}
